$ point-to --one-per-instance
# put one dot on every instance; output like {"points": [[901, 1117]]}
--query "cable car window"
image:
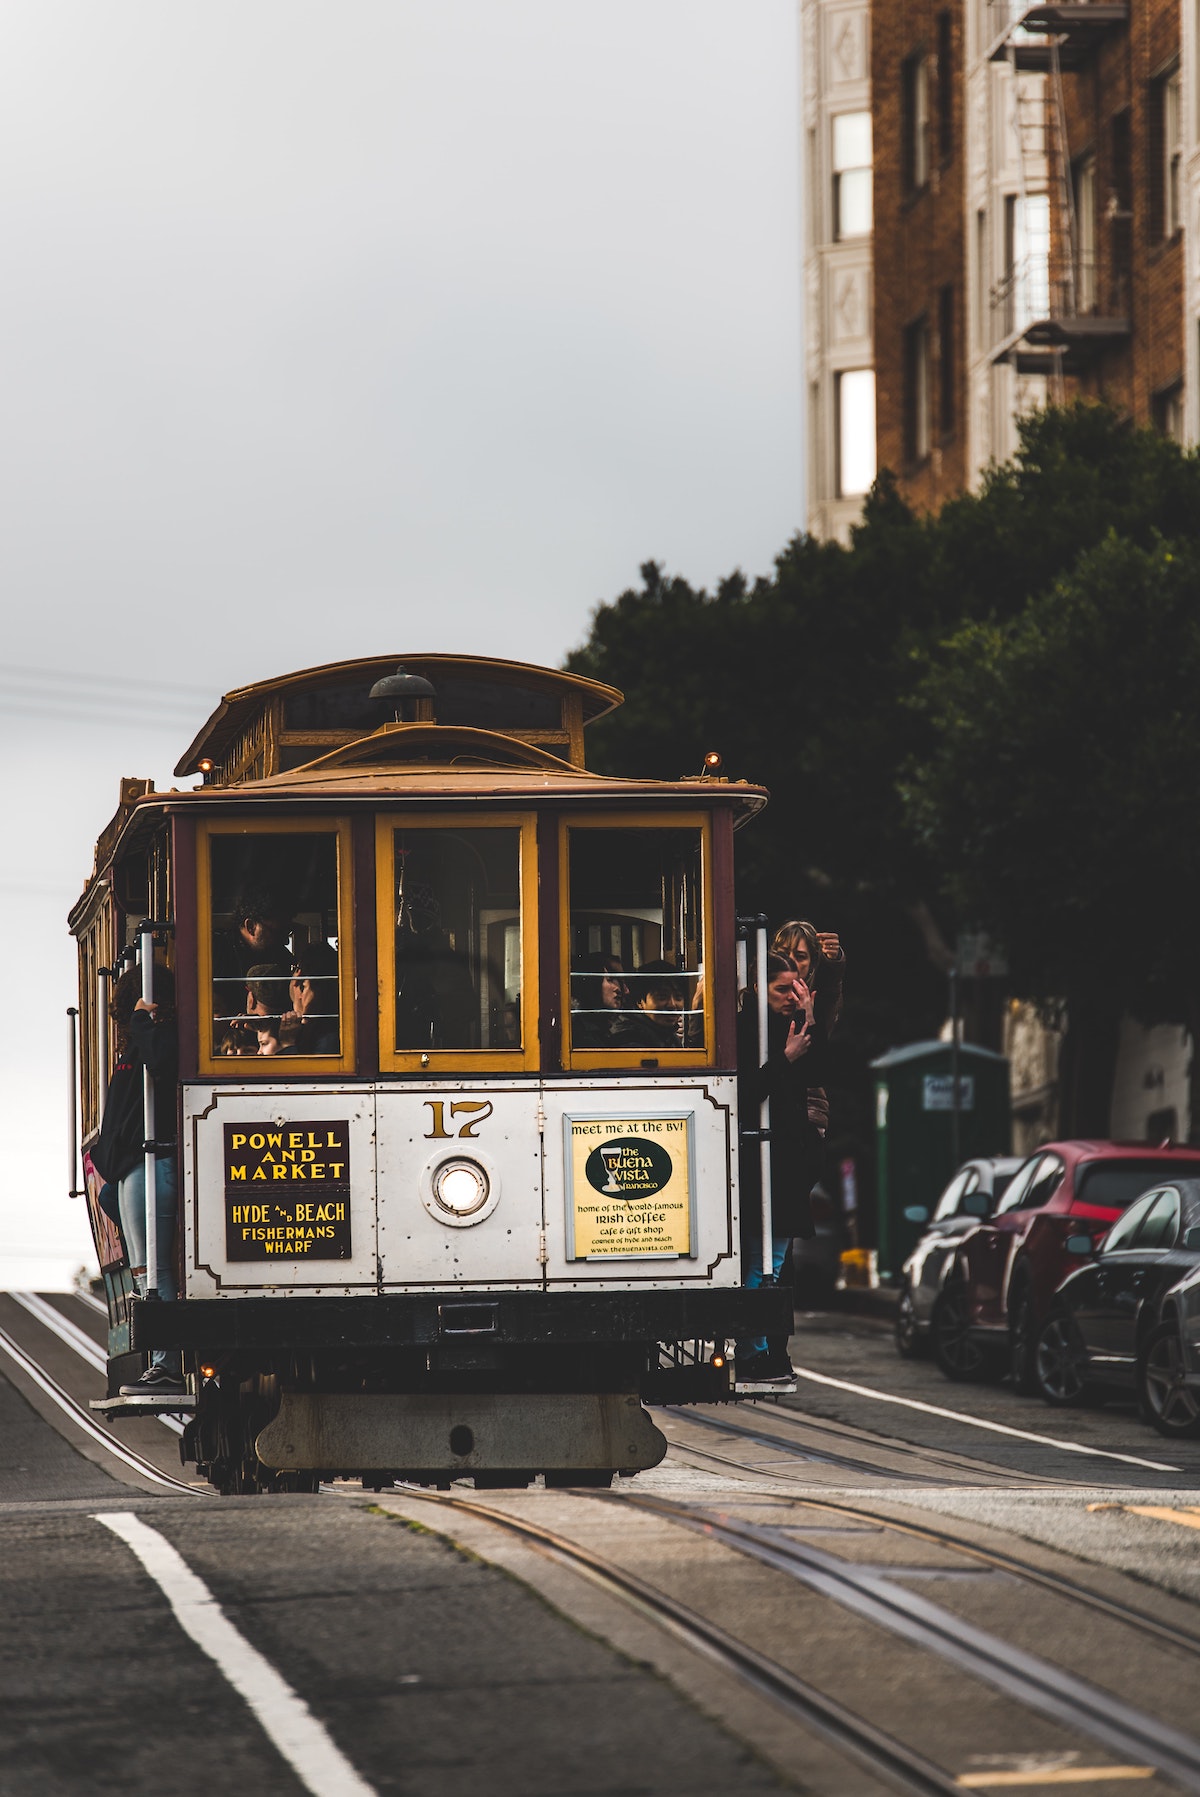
{"points": [[636, 943], [277, 988], [456, 928]]}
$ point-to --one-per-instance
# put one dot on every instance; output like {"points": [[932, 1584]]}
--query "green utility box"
{"points": [[914, 1131]]}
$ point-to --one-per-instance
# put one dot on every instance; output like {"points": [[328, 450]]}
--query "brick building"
{"points": [[1035, 170]]}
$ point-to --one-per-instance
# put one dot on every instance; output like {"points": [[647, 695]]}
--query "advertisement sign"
{"points": [[287, 1191], [937, 1092], [629, 1186]]}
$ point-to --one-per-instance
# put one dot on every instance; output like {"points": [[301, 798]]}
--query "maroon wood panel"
{"points": [[550, 1002], [366, 947], [183, 887], [722, 951]]}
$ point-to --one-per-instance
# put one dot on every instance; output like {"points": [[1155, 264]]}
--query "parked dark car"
{"points": [[971, 1195], [1168, 1373], [1103, 1313], [998, 1289]]}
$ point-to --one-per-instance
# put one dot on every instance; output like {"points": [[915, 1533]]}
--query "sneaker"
{"points": [[754, 1369], [155, 1382]]}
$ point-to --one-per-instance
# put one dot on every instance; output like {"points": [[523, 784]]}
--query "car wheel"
{"points": [[909, 1340], [1168, 1403], [955, 1349], [1058, 1361], [1022, 1343]]}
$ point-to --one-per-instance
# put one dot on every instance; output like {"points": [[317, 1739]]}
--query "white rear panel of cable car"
{"points": [[460, 1184], [279, 1191], [641, 1183], [611, 1184]]}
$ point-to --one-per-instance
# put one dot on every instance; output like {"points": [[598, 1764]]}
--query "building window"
{"points": [[855, 431], [982, 337], [852, 175], [1172, 152], [1166, 411], [1026, 285], [1119, 211], [947, 371], [916, 391], [914, 86], [1083, 195], [1166, 155], [945, 86]]}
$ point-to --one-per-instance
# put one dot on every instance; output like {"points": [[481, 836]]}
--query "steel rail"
{"points": [[875, 1596], [995, 1558], [83, 1421], [823, 1715], [78, 1339], [817, 1456], [946, 1457]]}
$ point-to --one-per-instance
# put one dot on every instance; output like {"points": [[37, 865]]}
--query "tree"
{"points": [[828, 680], [1057, 795]]}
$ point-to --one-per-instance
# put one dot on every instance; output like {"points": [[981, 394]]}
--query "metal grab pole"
{"points": [[955, 1060], [73, 1162], [146, 951], [102, 978], [764, 1115]]}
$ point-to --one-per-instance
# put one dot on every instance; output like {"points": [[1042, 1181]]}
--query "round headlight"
{"points": [[460, 1187]]}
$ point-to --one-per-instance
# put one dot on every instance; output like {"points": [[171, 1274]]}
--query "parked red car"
{"points": [[998, 1287]]}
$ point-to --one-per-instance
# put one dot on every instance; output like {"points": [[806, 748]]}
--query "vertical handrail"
{"points": [[73, 1161], [146, 958], [764, 1115], [103, 974]]}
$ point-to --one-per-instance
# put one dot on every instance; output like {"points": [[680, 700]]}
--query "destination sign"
{"points": [[287, 1191]]}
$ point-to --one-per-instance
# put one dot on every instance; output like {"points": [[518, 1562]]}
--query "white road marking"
{"points": [[1061, 1775], [978, 1422], [76, 1338], [286, 1719], [83, 1421]]}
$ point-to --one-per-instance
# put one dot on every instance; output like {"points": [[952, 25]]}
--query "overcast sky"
{"points": [[337, 330]]}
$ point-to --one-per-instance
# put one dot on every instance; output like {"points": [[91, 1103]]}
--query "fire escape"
{"points": [[1059, 308]]}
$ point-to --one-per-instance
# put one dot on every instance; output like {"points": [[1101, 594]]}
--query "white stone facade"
{"points": [[835, 81]]}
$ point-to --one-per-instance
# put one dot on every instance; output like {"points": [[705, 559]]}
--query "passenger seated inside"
{"points": [[436, 1002], [269, 1008], [660, 999], [599, 995], [257, 937], [314, 1002]]}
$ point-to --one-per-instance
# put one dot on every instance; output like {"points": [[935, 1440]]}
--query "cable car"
{"points": [[456, 1113]]}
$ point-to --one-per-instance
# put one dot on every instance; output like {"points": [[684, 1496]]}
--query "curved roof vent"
{"points": [[402, 689]]}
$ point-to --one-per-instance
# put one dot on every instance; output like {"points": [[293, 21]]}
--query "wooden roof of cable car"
{"points": [[444, 762], [590, 699]]}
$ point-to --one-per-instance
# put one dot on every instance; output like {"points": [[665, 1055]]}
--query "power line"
{"points": [[56, 676]]}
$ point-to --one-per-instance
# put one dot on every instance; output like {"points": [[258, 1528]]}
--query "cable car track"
{"points": [[930, 1457], [839, 1726], [86, 1425], [1057, 1583], [877, 1597]]}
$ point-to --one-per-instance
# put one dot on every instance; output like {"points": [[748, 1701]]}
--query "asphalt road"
{"points": [[159, 1639]]}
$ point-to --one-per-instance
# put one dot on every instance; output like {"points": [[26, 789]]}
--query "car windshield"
{"points": [[1114, 1184], [1000, 1185]]}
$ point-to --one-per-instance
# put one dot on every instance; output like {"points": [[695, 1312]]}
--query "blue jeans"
{"points": [[752, 1277], [133, 1227]]}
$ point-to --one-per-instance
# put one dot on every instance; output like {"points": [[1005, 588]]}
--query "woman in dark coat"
{"points": [[146, 1038], [795, 1047]]}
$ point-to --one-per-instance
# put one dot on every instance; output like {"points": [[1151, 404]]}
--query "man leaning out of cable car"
{"points": [[146, 1038], [784, 1078]]}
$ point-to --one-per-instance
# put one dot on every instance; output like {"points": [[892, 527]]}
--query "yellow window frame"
{"points": [[289, 1066], [454, 1061], [599, 1058]]}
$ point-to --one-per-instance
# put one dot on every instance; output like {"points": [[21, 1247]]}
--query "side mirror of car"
{"points": [[1080, 1244], [916, 1213], [1191, 1237], [977, 1204]]}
